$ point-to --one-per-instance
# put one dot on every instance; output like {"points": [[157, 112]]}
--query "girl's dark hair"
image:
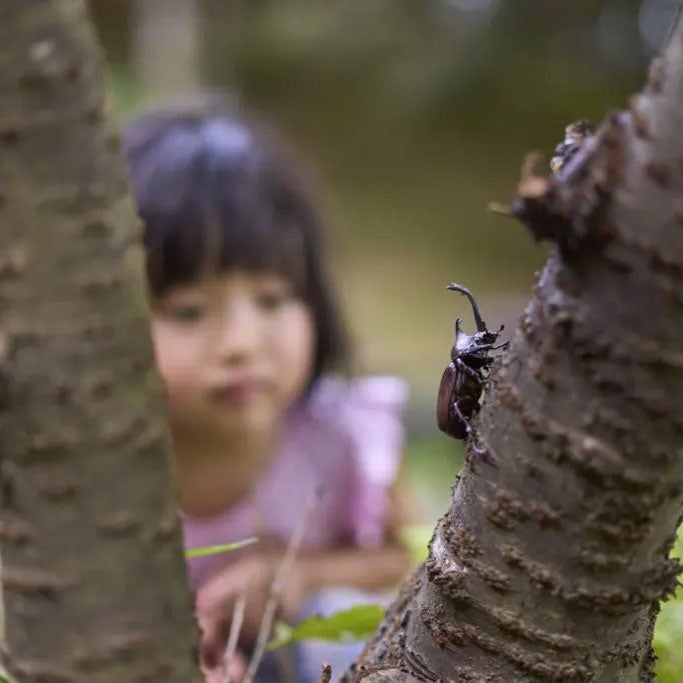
{"points": [[215, 193]]}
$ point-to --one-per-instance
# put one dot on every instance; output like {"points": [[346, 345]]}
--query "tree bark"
{"points": [[93, 577], [552, 560]]}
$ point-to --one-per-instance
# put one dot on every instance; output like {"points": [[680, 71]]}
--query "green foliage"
{"points": [[669, 632], [217, 549], [356, 623]]}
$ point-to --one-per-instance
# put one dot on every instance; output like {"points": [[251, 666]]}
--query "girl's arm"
{"points": [[364, 569], [368, 570], [353, 567]]}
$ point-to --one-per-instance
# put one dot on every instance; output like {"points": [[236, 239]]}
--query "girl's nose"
{"points": [[238, 336]]}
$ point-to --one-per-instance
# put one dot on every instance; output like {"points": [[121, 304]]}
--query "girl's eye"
{"points": [[185, 313], [272, 300]]}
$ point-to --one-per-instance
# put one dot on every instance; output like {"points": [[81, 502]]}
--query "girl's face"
{"points": [[234, 349]]}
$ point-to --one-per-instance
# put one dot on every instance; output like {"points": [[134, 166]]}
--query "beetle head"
{"points": [[482, 336]]}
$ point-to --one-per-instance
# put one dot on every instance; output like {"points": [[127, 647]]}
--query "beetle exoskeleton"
{"points": [[464, 379]]}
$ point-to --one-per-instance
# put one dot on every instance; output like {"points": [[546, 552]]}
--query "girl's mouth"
{"points": [[240, 390]]}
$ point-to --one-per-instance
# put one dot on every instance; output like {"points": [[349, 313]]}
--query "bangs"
{"points": [[214, 205]]}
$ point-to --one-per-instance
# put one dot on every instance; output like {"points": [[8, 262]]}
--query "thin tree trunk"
{"points": [[93, 578], [551, 562]]}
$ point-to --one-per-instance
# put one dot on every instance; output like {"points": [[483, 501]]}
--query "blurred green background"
{"points": [[415, 114]]}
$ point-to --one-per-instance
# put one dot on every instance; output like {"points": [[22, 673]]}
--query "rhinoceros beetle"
{"points": [[463, 381]]}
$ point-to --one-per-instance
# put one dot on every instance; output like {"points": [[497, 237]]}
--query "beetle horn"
{"points": [[481, 325]]}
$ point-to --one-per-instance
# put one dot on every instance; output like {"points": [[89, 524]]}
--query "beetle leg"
{"points": [[480, 452], [476, 376], [469, 429], [470, 434], [479, 347]]}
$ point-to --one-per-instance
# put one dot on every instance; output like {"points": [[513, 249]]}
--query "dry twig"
{"points": [[233, 636], [279, 581]]}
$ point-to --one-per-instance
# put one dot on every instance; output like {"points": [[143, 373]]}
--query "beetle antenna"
{"points": [[481, 325]]}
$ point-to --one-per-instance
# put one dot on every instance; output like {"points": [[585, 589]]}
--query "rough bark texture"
{"points": [[93, 577], [550, 564]]}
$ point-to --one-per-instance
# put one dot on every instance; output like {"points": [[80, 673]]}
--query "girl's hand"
{"points": [[237, 669], [252, 576]]}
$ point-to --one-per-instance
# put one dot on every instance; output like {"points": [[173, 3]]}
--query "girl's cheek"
{"points": [[300, 342], [177, 371], [173, 362]]}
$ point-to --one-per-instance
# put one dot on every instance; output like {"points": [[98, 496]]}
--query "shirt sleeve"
{"points": [[372, 419]]}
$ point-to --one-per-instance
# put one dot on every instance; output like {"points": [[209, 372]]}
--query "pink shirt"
{"points": [[345, 442]]}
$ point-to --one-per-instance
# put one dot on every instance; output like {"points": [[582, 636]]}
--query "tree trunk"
{"points": [[93, 577], [551, 562]]}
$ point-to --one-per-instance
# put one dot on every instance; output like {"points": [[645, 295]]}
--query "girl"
{"points": [[247, 335]]}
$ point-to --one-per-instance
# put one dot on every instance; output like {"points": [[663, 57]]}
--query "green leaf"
{"points": [[4, 676], [356, 623], [218, 549], [669, 631]]}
